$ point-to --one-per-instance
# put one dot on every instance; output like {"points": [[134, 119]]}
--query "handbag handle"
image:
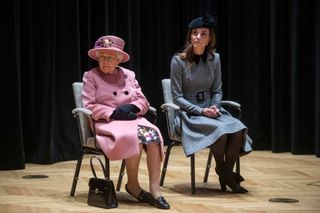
{"points": [[93, 170]]}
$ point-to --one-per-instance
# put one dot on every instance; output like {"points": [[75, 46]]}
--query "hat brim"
{"points": [[93, 53]]}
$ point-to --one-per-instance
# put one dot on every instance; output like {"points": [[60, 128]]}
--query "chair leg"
{"points": [[76, 174], [205, 179], [165, 163], [193, 179], [107, 163], [121, 174]]}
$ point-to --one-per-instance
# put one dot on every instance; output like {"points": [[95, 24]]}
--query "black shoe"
{"points": [[160, 202], [222, 185], [143, 196], [237, 177], [236, 188]]}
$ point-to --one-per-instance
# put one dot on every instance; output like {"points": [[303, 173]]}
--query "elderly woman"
{"points": [[114, 96], [197, 88]]}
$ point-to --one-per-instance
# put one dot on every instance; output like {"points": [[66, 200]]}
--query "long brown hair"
{"points": [[188, 54]]}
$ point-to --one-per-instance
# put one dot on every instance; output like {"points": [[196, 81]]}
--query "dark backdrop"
{"points": [[270, 52]]}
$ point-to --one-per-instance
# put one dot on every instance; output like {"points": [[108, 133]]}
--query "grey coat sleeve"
{"points": [[176, 75], [216, 88]]}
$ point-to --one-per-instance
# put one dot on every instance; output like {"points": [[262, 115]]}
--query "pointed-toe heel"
{"points": [[237, 177], [239, 189], [232, 184]]}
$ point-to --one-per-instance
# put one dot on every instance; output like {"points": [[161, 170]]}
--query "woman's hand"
{"points": [[211, 112], [125, 112]]}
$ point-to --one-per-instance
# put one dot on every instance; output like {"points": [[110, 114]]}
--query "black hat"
{"points": [[206, 21]]}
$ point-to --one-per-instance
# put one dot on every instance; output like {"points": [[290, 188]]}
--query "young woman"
{"points": [[197, 88]]}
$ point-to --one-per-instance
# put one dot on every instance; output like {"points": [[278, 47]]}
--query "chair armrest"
{"points": [[152, 109], [151, 115], [89, 112], [230, 103], [82, 110], [167, 106]]}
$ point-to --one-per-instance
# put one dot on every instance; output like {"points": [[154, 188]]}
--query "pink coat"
{"points": [[101, 94]]}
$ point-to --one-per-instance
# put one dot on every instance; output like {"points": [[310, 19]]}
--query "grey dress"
{"points": [[199, 86]]}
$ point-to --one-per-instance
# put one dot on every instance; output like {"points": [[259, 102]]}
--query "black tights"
{"points": [[226, 152]]}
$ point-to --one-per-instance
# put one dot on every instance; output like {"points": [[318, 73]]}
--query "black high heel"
{"points": [[237, 177], [223, 186], [235, 188], [238, 189]]}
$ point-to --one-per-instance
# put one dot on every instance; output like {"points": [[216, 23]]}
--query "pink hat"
{"points": [[108, 43]]}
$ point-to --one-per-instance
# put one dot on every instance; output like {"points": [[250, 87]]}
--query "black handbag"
{"points": [[101, 190]]}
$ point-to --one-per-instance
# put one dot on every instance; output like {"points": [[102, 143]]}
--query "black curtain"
{"points": [[270, 53]]}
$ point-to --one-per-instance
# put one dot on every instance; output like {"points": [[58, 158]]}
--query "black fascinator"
{"points": [[206, 21]]}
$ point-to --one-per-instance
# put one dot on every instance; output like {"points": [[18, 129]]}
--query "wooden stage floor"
{"points": [[268, 175]]}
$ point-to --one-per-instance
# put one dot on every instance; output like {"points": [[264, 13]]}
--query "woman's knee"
{"points": [[154, 145], [220, 142], [237, 134], [223, 138]]}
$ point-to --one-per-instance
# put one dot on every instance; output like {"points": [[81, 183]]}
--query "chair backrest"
{"points": [[170, 113], [77, 93], [166, 88], [84, 123]]}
